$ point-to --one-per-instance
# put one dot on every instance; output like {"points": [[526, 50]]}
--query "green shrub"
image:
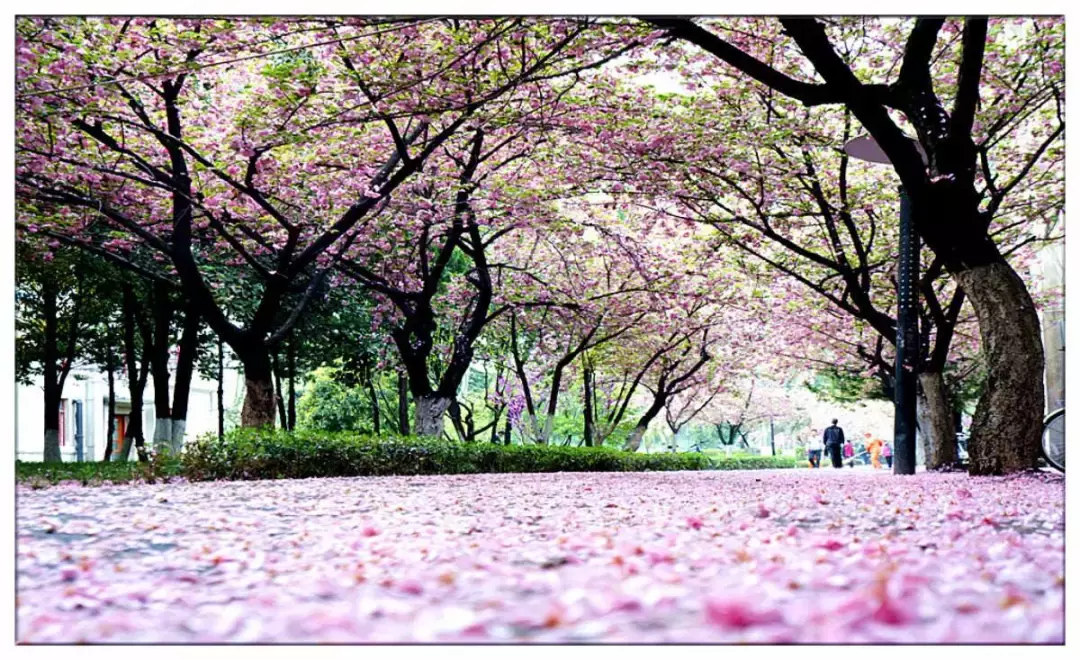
{"points": [[93, 473], [260, 454], [750, 462]]}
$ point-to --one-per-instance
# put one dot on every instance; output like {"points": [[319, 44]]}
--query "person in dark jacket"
{"points": [[834, 444]]}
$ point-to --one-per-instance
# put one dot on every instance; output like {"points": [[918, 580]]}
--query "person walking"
{"points": [[833, 440], [874, 447], [849, 454], [886, 453], [813, 455]]}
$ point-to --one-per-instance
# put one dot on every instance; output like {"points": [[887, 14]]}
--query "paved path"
{"points": [[767, 556]]}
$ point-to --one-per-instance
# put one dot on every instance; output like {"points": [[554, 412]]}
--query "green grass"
{"points": [[97, 473]]}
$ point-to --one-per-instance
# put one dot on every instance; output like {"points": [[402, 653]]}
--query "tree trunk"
{"points": [[259, 405], [587, 379], [374, 404], [941, 452], [1007, 427], [133, 433], [495, 427], [185, 370], [110, 370], [403, 403], [159, 367], [221, 389], [292, 382], [508, 431], [430, 409], [50, 373], [633, 441], [925, 448], [279, 391], [540, 433]]}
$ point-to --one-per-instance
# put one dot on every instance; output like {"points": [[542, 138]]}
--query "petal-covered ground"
{"points": [[784, 556]]}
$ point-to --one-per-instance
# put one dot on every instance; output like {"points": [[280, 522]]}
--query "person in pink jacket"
{"points": [[886, 453], [849, 453]]}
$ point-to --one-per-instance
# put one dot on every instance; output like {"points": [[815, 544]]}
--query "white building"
{"points": [[85, 408]]}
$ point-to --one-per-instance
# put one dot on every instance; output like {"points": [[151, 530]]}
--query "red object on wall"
{"points": [[121, 424]]}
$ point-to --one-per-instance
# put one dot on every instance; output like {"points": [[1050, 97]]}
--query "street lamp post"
{"points": [[907, 317]]}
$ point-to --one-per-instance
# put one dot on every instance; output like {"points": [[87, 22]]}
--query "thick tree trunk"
{"points": [[507, 433], [163, 427], [1006, 430], [403, 403], [925, 448], [429, 414], [941, 452], [259, 404], [633, 441]]}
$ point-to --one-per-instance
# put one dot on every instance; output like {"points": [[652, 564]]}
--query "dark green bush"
{"points": [[259, 454], [256, 454]]}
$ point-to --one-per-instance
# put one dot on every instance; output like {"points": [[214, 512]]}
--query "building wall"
{"points": [[91, 388], [1052, 267]]}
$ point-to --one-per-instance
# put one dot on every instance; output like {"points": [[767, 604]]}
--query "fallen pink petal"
{"points": [[523, 558]]}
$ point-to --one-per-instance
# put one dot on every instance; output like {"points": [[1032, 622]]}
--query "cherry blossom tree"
{"points": [[276, 143], [957, 194]]}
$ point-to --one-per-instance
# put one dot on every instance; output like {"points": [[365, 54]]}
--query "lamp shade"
{"points": [[866, 148]]}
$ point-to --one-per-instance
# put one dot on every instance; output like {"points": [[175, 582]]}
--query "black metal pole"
{"points": [[78, 431], [907, 342], [772, 436]]}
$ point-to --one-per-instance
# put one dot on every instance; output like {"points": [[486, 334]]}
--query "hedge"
{"points": [[750, 462], [260, 454]]}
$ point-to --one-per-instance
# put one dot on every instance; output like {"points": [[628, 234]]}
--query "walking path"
{"points": [[765, 556]]}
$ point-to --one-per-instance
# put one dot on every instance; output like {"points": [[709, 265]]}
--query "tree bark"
{"points": [[292, 382], [587, 373], [633, 441], [1007, 427], [429, 414], [259, 405], [159, 366], [133, 433], [508, 430], [403, 403], [279, 391], [941, 452], [374, 404], [50, 372], [110, 371], [185, 370], [221, 388]]}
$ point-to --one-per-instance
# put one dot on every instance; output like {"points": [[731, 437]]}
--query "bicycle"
{"points": [[1053, 439]]}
